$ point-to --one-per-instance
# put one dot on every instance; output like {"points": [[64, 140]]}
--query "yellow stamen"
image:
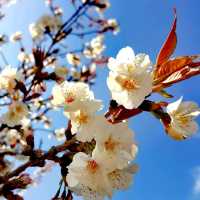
{"points": [[110, 144], [126, 83], [70, 97], [183, 119], [92, 166], [18, 109], [82, 118]]}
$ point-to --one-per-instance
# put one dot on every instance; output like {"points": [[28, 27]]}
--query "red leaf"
{"points": [[168, 46], [185, 72], [171, 66]]}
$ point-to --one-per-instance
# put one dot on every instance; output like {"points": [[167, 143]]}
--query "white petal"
{"points": [[174, 106], [142, 60], [71, 180], [126, 55]]}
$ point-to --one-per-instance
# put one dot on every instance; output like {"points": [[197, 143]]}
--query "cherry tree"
{"points": [[95, 151]]}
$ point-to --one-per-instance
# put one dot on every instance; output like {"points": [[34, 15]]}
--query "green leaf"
{"points": [[165, 94]]}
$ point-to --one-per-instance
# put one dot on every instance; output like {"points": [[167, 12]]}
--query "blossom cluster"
{"points": [[130, 82], [109, 161]]}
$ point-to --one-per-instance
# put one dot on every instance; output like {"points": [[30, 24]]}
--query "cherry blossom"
{"points": [[86, 171], [71, 95], [129, 79], [84, 120], [182, 118]]}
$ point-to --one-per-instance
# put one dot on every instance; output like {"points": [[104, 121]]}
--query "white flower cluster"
{"points": [[17, 109], [182, 118], [8, 78], [95, 47], [130, 81], [45, 23], [112, 24], [108, 167], [15, 115], [110, 160], [130, 78], [17, 36]]}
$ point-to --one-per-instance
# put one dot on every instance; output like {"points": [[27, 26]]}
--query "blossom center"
{"points": [[12, 115], [70, 97], [183, 119], [82, 118], [92, 166], [127, 83], [19, 109], [110, 144]]}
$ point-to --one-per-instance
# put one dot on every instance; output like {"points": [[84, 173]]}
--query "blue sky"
{"points": [[168, 169]]}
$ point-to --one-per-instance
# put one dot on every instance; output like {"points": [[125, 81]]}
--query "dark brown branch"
{"points": [[50, 155]]}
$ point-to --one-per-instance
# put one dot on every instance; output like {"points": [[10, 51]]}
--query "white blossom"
{"points": [[17, 36], [58, 95], [38, 29], [25, 57], [95, 47], [9, 139], [182, 118], [58, 11], [86, 171], [8, 77], [113, 25], [15, 114], [61, 71], [130, 80], [84, 120], [71, 95], [122, 179], [87, 178], [73, 59], [60, 134], [25, 122], [114, 144], [75, 73], [86, 193], [35, 31]]}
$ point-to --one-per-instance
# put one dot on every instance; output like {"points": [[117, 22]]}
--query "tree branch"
{"points": [[50, 155]]}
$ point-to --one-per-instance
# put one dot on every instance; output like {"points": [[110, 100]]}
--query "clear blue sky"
{"points": [[167, 168]]}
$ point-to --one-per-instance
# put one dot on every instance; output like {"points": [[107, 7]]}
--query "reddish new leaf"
{"points": [[175, 70], [171, 66], [184, 74], [190, 69], [168, 47]]}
